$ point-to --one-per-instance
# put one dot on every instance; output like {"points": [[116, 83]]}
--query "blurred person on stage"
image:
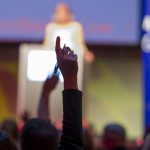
{"points": [[63, 24]]}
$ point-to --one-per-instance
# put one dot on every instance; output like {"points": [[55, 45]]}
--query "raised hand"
{"points": [[50, 84], [67, 63]]}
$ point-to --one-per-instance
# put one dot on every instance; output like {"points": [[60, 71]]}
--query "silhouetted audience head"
{"points": [[146, 144], [6, 143], [39, 134], [10, 127], [114, 137]]}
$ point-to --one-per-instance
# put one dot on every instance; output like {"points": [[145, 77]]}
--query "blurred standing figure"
{"points": [[63, 24]]}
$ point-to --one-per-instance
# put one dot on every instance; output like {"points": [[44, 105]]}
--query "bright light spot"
{"points": [[40, 64], [146, 23], [145, 43]]}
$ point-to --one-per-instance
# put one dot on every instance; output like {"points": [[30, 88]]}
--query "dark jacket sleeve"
{"points": [[71, 138]]}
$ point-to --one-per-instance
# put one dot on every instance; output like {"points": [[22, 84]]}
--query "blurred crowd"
{"points": [[113, 137]]}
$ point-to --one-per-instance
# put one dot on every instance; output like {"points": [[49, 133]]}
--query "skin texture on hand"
{"points": [[67, 63]]}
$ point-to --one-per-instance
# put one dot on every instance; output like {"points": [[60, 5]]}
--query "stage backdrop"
{"points": [[8, 88], [104, 21], [114, 94]]}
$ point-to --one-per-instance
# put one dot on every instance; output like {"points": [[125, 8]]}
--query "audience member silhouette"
{"points": [[114, 137], [6, 143], [10, 127]]}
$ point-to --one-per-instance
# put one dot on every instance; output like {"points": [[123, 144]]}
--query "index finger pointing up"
{"points": [[57, 46]]}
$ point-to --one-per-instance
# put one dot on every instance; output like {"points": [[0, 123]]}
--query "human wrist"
{"points": [[70, 83]]}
